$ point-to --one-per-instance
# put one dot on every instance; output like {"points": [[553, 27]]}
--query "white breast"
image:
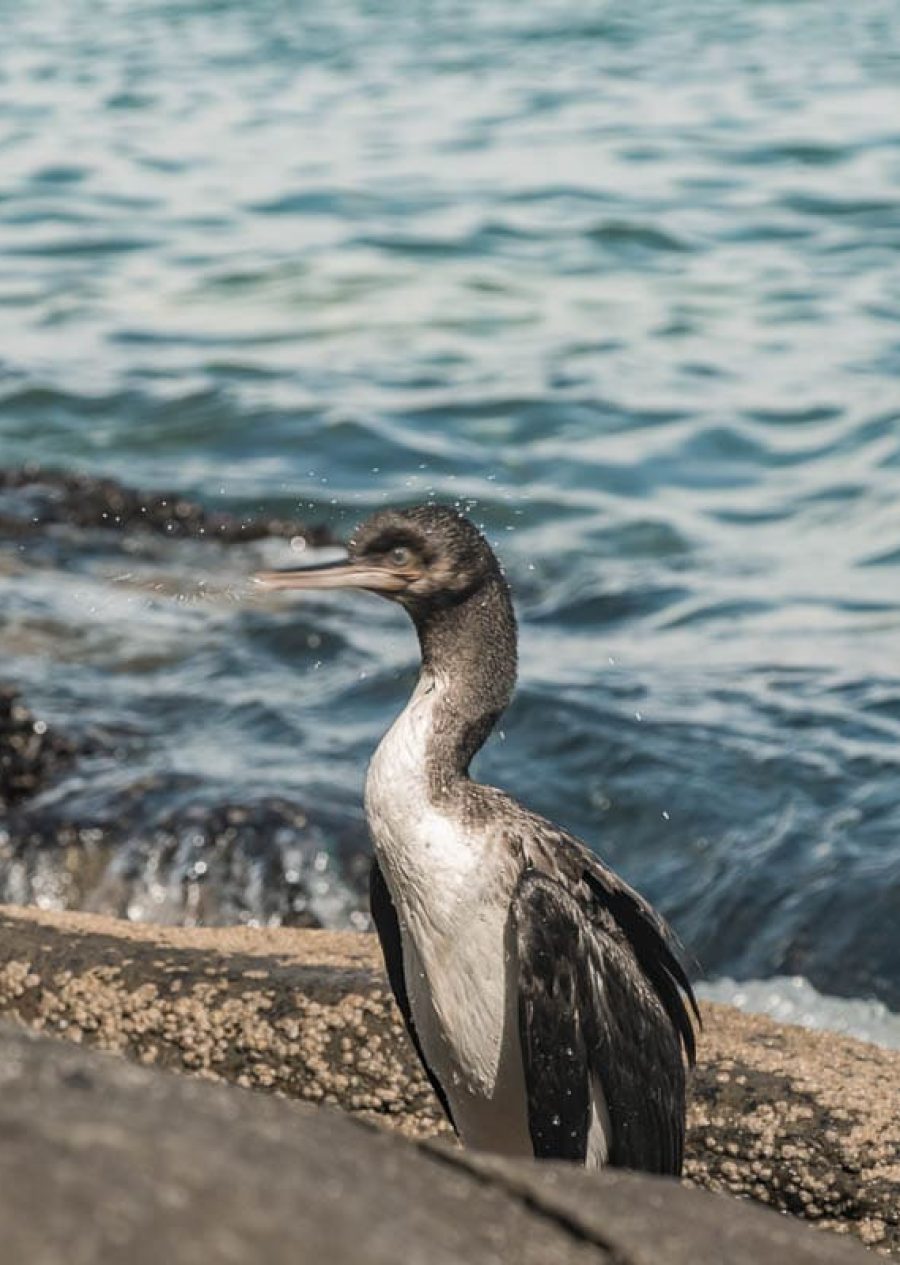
{"points": [[450, 887]]}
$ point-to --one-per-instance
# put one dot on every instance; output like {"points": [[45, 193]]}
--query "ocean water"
{"points": [[621, 280], [792, 999]]}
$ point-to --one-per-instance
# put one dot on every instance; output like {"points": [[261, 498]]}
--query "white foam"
{"points": [[792, 999]]}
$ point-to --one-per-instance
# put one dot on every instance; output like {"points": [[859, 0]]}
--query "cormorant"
{"points": [[541, 992]]}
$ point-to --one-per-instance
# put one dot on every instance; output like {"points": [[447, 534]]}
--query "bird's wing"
{"points": [[600, 1050], [650, 940], [384, 915]]}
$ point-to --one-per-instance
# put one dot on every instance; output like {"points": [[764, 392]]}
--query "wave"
{"points": [[792, 999]]}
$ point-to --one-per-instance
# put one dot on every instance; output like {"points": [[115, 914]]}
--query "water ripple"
{"points": [[624, 285]]}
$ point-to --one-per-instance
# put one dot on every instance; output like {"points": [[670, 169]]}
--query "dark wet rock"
{"points": [[806, 1122], [32, 753], [205, 863], [222, 863], [33, 499], [102, 1161]]}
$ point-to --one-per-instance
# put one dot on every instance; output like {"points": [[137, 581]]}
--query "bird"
{"points": [[545, 997]]}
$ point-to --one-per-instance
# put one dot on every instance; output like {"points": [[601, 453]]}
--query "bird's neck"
{"points": [[469, 661]]}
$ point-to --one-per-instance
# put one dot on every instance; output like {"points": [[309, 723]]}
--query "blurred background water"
{"points": [[624, 282]]}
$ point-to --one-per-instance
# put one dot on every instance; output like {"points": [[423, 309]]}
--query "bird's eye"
{"points": [[400, 556]]}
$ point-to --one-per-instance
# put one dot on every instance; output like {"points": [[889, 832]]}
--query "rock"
{"points": [[31, 752], [102, 1162], [804, 1121], [808, 1122], [206, 861], [33, 499]]}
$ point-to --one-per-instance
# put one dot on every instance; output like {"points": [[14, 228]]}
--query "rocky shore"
{"points": [[201, 862], [804, 1122], [103, 1162], [137, 841]]}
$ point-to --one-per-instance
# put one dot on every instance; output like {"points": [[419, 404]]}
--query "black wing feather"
{"points": [[647, 938], [577, 979], [552, 1034], [384, 915]]}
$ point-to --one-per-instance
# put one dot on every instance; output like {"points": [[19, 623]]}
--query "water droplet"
{"points": [[298, 543], [665, 815]]}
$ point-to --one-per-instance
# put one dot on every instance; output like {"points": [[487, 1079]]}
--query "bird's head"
{"points": [[424, 557]]}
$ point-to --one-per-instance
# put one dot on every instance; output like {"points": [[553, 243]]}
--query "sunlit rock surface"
{"points": [[805, 1122]]}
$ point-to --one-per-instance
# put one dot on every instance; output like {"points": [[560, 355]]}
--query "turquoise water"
{"points": [[624, 280]]}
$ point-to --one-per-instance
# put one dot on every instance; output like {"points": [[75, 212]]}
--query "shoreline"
{"points": [[803, 1121], [792, 999]]}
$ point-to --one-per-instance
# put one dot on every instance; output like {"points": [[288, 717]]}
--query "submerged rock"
{"points": [[206, 861], [33, 498], [31, 752], [213, 863]]}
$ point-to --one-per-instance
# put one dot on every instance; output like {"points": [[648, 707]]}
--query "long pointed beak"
{"points": [[334, 575]]}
